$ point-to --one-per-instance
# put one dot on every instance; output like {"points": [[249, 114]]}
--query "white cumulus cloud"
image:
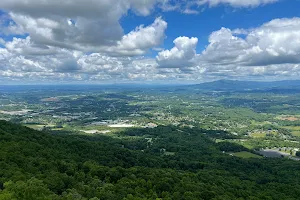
{"points": [[275, 42], [140, 40], [272, 49], [181, 55], [86, 25], [236, 3]]}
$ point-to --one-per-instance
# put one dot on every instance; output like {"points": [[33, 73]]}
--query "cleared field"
{"points": [[39, 126], [263, 134], [296, 133], [292, 128], [35, 126], [57, 129], [121, 125], [295, 130], [289, 117], [245, 154], [258, 135]]}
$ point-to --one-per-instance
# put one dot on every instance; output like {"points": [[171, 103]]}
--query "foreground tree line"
{"points": [[160, 163]]}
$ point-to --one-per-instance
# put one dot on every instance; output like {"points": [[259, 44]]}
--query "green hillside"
{"points": [[160, 163]]}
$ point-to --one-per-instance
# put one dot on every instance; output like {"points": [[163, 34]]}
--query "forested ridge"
{"points": [[160, 163]]}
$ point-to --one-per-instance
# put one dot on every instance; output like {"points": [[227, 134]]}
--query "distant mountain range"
{"points": [[232, 85], [221, 85]]}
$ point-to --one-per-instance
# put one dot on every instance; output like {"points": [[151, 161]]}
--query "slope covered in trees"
{"points": [[160, 163]]}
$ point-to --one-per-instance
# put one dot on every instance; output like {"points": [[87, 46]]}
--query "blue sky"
{"points": [[155, 41], [211, 19]]}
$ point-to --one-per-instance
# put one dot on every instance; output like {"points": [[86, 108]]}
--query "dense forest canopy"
{"points": [[174, 164]]}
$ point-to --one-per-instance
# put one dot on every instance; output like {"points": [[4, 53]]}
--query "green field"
{"points": [[35, 126], [296, 133], [262, 134], [295, 130], [258, 135], [245, 154], [292, 128]]}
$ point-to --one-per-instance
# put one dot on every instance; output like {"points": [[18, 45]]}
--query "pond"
{"points": [[272, 153]]}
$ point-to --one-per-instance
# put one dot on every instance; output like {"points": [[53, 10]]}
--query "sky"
{"points": [[148, 41]]}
